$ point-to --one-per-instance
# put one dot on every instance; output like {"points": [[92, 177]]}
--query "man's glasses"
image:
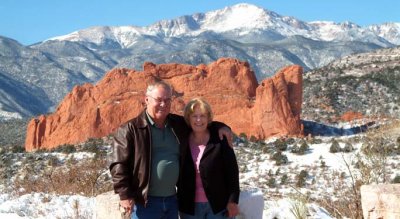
{"points": [[160, 100]]}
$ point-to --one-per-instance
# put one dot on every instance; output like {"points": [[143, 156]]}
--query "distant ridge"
{"points": [[237, 21]]}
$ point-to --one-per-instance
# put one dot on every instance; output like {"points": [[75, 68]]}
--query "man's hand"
{"points": [[127, 205], [227, 132], [233, 209]]}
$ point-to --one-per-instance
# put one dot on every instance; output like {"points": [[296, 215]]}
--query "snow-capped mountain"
{"points": [[241, 20], [389, 31]]}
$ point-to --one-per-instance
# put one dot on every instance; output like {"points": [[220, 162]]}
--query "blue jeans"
{"points": [[157, 208], [203, 210]]}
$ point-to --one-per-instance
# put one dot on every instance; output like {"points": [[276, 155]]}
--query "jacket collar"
{"points": [[142, 120]]}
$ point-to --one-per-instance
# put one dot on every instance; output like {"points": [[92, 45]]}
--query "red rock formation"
{"points": [[229, 85], [350, 116], [278, 104]]}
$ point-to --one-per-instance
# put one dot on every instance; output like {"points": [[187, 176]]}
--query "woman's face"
{"points": [[198, 120]]}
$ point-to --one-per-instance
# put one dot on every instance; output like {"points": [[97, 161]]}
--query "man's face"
{"points": [[158, 104]]}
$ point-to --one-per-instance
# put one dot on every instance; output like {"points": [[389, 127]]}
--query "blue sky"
{"points": [[31, 21]]}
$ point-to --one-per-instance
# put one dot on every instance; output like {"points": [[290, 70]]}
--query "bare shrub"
{"points": [[372, 162], [80, 178]]}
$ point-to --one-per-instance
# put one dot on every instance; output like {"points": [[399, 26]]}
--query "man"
{"points": [[145, 157]]}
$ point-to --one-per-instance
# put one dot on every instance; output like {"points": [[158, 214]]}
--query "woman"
{"points": [[209, 180]]}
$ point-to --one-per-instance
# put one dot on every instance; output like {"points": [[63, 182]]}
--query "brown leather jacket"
{"points": [[130, 159]]}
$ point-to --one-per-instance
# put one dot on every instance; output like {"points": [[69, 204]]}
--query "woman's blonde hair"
{"points": [[204, 106]]}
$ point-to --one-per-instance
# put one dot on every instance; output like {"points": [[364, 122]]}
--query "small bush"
{"points": [[253, 138], [323, 164], [301, 178], [65, 148], [295, 149], [342, 175], [280, 144], [290, 141], [335, 147], [271, 182], [270, 173], [315, 141], [348, 147], [17, 149], [284, 179], [303, 148], [243, 136], [280, 158], [396, 179], [300, 150]]}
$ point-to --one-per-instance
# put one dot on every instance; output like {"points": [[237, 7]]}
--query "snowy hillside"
{"points": [[315, 174]]}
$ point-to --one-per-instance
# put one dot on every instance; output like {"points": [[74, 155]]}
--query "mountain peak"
{"points": [[245, 6], [238, 16]]}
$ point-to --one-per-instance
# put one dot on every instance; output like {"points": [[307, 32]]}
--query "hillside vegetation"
{"points": [[367, 83], [13, 132]]}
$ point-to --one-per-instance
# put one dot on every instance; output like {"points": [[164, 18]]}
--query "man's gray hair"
{"points": [[156, 84]]}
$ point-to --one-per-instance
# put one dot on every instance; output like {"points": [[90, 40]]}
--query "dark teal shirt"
{"points": [[164, 160]]}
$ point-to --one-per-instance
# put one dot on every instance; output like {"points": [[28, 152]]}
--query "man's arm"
{"points": [[223, 130], [120, 163], [231, 173]]}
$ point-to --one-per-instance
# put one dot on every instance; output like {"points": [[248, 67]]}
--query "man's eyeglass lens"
{"points": [[159, 100]]}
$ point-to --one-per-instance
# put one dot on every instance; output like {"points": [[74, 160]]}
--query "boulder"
{"points": [[271, 108], [106, 206], [381, 201]]}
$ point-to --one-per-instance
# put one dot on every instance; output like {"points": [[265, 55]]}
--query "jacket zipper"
{"points": [[150, 162], [177, 139]]}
